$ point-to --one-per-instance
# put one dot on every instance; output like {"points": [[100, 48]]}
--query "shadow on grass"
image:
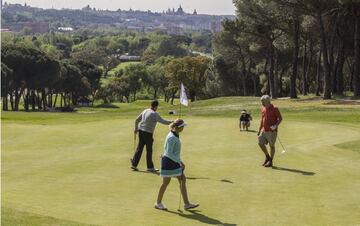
{"points": [[305, 173], [106, 106], [145, 171], [206, 178], [196, 215], [251, 131], [197, 178], [227, 181]]}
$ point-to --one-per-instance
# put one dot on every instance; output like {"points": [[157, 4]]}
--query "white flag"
{"points": [[183, 97]]}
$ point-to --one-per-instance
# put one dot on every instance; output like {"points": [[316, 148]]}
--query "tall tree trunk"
{"points": [[340, 60], [243, 76], [281, 90], [38, 100], [356, 77], [332, 63], [27, 99], [18, 95], [318, 75], [56, 96], [327, 76], [32, 99], [172, 98], [308, 70], [276, 74], [293, 77], [12, 102], [267, 75], [43, 99], [273, 92], [350, 65], [5, 102], [304, 88]]}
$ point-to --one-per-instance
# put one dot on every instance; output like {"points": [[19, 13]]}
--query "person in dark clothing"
{"points": [[245, 119], [145, 125]]}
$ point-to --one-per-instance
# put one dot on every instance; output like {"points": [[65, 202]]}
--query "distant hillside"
{"points": [[171, 21]]}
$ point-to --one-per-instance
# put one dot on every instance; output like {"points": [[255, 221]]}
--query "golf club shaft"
{"points": [[281, 143]]}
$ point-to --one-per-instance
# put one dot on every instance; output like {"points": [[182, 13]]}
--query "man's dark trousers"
{"points": [[145, 138]]}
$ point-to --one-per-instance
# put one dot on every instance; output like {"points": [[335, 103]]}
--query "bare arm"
{"points": [[261, 125]]}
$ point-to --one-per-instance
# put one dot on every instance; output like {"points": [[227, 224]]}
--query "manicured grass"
{"points": [[73, 168]]}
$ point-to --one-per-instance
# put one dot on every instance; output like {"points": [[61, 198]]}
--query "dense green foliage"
{"points": [[286, 47]]}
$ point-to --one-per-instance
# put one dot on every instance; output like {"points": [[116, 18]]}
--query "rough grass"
{"points": [[73, 168]]}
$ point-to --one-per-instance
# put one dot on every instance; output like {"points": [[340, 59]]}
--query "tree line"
{"points": [[61, 70], [287, 47]]}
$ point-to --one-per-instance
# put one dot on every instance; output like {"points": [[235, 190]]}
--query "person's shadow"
{"points": [[305, 173], [145, 171], [251, 131], [196, 215]]}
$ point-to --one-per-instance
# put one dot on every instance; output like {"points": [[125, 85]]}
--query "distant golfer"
{"points": [[270, 121], [145, 124], [245, 119], [172, 166]]}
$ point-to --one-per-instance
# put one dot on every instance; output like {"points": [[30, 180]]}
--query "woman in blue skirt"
{"points": [[172, 166]]}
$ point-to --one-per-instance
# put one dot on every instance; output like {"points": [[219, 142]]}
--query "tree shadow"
{"points": [[196, 215], [109, 105], [305, 173]]}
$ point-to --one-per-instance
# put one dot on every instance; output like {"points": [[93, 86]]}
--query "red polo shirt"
{"points": [[270, 116]]}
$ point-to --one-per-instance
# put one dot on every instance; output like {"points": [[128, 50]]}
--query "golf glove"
{"points": [[273, 127]]}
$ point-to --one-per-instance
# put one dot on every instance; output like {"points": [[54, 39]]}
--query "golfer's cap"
{"points": [[179, 123], [243, 112]]}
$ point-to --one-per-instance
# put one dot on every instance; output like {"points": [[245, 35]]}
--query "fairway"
{"points": [[74, 169]]}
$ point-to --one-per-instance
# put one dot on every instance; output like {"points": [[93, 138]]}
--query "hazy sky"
{"points": [[202, 6]]}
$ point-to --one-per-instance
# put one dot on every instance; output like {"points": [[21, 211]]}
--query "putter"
{"points": [[283, 151]]}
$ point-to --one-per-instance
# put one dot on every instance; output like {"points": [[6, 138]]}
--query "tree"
{"points": [[134, 75], [33, 70], [6, 84], [92, 74]]}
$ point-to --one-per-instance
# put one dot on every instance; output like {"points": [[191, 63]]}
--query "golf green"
{"points": [[66, 171]]}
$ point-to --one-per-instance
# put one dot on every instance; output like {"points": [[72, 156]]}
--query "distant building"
{"points": [[5, 30], [195, 12], [178, 12], [65, 29], [127, 57]]}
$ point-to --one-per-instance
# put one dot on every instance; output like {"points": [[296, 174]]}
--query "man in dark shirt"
{"points": [[245, 119]]}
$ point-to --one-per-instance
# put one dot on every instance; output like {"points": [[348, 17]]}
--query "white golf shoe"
{"points": [[160, 206], [190, 206]]}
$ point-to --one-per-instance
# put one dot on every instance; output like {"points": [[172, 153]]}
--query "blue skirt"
{"points": [[170, 168]]}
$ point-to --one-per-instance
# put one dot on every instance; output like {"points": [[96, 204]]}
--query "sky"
{"points": [[216, 7]]}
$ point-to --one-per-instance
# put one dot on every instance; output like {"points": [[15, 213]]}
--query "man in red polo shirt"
{"points": [[270, 120]]}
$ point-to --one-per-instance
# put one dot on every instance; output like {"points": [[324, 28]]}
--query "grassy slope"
{"points": [[75, 167]]}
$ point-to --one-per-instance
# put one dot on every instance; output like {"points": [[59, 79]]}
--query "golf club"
{"points": [[283, 151]]}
